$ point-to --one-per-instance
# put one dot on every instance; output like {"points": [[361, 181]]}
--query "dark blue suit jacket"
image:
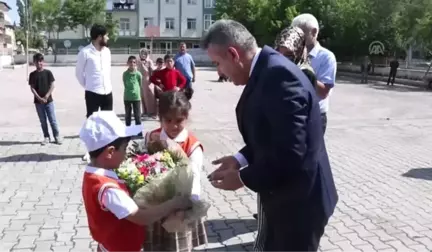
{"points": [[279, 118]]}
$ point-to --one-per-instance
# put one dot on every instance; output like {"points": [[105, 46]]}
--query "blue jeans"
{"points": [[45, 111]]}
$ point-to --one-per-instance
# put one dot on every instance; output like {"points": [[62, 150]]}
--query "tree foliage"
{"points": [[346, 26], [84, 13]]}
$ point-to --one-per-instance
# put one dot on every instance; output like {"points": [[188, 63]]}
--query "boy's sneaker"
{"points": [[58, 140], [45, 141]]}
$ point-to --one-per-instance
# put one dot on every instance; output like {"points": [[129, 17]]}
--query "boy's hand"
{"points": [[176, 89]]}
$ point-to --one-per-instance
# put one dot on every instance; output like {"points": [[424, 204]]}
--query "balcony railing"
{"points": [[127, 33], [126, 6]]}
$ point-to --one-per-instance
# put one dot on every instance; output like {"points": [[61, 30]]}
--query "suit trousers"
{"points": [[283, 232]]}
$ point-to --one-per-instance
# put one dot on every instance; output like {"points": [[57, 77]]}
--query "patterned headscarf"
{"points": [[293, 38]]}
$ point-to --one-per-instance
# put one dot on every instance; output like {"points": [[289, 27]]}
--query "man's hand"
{"points": [[229, 180], [226, 163], [193, 79], [43, 100]]}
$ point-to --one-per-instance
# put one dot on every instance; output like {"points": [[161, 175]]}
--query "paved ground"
{"points": [[378, 139]]}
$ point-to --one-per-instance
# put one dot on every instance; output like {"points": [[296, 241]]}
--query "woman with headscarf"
{"points": [[145, 66], [291, 43]]}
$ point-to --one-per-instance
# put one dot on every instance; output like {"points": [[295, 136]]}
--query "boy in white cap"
{"points": [[114, 219]]}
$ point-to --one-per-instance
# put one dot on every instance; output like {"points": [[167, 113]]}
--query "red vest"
{"points": [[111, 233], [188, 146]]}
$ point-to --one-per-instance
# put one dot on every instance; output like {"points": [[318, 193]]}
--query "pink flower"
{"points": [[142, 158]]}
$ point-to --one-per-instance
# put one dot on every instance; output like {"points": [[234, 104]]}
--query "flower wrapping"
{"points": [[156, 172]]}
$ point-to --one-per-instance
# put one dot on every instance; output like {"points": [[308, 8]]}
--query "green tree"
{"points": [[112, 26], [84, 12]]}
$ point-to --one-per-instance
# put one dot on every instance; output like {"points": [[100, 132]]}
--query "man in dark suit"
{"points": [[284, 159]]}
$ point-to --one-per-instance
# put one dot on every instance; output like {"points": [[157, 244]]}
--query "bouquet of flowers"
{"points": [[156, 172]]}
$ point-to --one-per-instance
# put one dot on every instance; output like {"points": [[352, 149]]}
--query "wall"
{"points": [[147, 10], [170, 10], [199, 56], [412, 74], [5, 60], [191, 11]]}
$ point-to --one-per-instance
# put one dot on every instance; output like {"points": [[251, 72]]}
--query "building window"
{"points": [[208, 21], [170, 1], [169, 23], [166, 47], [191, 23], [192, 2], [124, 24], [209, 4], [148, 22]]}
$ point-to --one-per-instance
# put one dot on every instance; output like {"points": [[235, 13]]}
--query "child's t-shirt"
{"points": [[41, 81], [132, 85]]}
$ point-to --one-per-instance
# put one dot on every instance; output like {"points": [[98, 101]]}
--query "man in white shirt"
{"points": [[93, 70]]}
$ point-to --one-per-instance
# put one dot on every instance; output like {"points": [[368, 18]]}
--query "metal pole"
{"points": [[27, 37]]}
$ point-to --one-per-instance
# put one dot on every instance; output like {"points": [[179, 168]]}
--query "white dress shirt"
{"points": [[111, 198], [240, 158], [93, 69]]}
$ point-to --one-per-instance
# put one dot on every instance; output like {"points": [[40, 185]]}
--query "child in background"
{"points": [[41, 83], [132, 92], [168, 78], [159, 64], [174, 110], [114, 219]]}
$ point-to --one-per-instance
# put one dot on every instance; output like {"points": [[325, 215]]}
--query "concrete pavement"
{"points": [[378, 140]]}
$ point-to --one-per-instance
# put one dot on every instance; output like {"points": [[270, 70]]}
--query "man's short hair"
{"points": [[306, 20], [97, 30], [226, 33], [38, 57]]}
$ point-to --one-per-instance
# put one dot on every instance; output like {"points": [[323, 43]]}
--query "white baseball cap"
{"points": [[103, 128]]}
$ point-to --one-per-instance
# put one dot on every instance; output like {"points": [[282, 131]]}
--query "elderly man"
{"points": [[284, 159], [322, 60]]}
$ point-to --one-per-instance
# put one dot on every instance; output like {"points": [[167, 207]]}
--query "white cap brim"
{"points": [[133, 130]]}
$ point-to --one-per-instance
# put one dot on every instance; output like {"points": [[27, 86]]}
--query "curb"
{"points": [[400, 81]]}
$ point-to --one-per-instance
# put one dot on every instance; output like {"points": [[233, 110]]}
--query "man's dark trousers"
{"points": [[94, 102]]}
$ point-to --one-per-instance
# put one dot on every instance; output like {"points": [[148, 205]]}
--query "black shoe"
{"points": [[255, 216]]}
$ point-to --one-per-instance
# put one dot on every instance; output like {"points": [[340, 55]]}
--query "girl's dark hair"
{"points": [[173, 102], [159, 61], [116, 143]]}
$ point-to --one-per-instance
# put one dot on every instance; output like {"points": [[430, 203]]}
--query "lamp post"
{"points": [[27, 31]]}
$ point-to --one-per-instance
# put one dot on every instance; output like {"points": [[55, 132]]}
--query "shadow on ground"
{"points": [[37, 157], [397, 88], [419, 173], [224, 229], [9, 143], [237, 248]]}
